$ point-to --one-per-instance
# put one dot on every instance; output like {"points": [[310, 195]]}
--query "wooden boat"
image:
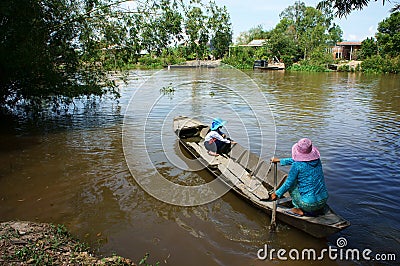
{"points": [[252, 178], [264, 65]]}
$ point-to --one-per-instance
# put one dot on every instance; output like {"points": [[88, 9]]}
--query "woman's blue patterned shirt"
{"points": [[309, 178]]}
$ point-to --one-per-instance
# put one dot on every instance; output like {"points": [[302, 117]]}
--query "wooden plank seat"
{"points": [[232, 170], [201, 150]]}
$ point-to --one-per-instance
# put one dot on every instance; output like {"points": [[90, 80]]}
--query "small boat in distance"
{"points": [[265, 65], [252, 179]]}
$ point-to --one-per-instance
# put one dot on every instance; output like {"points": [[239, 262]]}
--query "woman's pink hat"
{"points": [[304, 151]]}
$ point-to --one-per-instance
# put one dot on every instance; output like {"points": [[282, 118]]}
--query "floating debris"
{"points": [[168, 90]]}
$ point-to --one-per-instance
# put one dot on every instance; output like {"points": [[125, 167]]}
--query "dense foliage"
{"points": [[49, 51], [369, 47], [303, 36], [255, 33], [303, 33], [52, 51], [379, 64], [388, 35], [345, 7], [383, 54]]}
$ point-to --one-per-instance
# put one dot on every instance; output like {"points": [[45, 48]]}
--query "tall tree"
{"points": [[160, 25], [221, 30], [334, 31], [368, 48], [335, 35], [49, 50], [52, 51], [282, 40], [388, 36], [254, 33], [310, 29], [207, 26], [198, 35]]}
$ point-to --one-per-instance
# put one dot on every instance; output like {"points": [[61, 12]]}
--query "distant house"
{"points": [[345, 50], [254, 43]]}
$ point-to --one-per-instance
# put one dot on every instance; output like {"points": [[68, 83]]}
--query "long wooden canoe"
{"points": [[252, 178]]}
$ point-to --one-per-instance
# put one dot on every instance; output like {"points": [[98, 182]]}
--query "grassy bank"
{"points": [[28, 243]]}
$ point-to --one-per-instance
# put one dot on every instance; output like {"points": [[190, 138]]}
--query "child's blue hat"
{"points": [[216, 123]]}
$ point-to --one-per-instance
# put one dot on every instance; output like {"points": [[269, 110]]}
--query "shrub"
{"points": [[378, 64], [150, 61], [307, 66]]}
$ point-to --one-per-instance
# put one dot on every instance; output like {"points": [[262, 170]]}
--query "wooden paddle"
{"points": [[272, 226]]}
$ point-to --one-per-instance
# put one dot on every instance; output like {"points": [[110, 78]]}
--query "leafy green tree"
{"points": [[241, 57], [302, 30], [368, 48], [345, 7], [388, 36], [221, 30], [49, 50], [383, 55], [295, 14], [311, 31], [160, 25], [282, 40], [207, 26], [335, 35], [196, 32], [53, 51], [255, 33], [379, 64]]}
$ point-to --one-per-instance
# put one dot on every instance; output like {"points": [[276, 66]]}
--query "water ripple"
{"points": [[73, 171]]}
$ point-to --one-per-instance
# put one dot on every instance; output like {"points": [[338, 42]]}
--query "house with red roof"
{"points": [[346, 50]]}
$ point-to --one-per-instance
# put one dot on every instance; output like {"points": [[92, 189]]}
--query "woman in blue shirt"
{"points": [[305, 181]]}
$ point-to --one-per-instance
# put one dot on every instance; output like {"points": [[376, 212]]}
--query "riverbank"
{"points": [[29, 243], [351, 66], [197, 63]]}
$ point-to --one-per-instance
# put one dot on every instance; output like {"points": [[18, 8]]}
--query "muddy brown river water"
{"points": [[72, 169]]}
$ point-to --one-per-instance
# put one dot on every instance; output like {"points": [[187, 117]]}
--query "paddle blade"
{"points": [[272, 226]]}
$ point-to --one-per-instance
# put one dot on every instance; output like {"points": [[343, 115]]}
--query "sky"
{"points": [[247, 14]]}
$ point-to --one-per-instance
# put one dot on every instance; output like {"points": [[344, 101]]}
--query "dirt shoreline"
{"points": [[30, 243]]}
